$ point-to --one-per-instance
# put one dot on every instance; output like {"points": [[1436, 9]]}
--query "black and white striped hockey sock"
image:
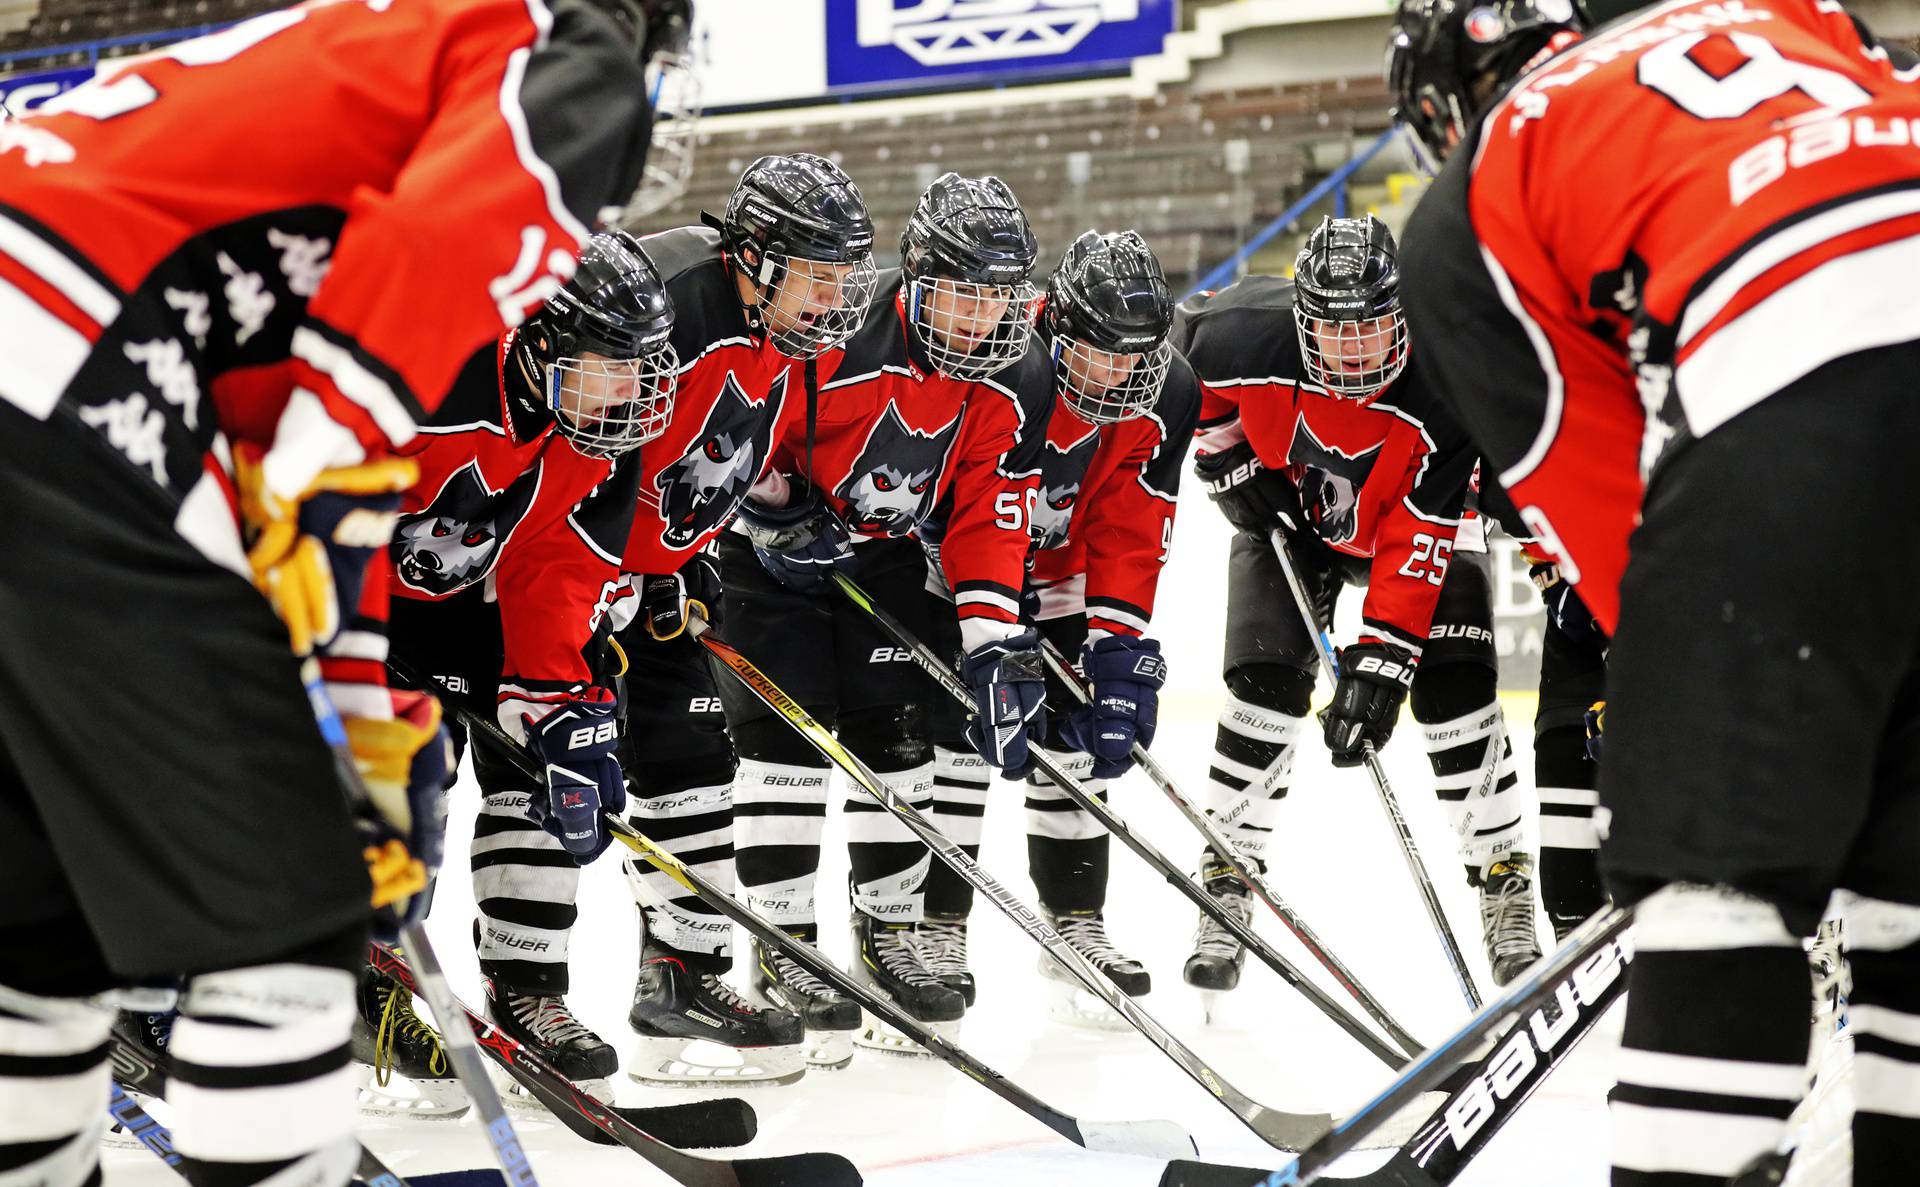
{"points": [[1566, 777], [524, 882], [53, 1090], [1883, 943], [1713, 1059], [779, 810], [1066, 846], [262, 1089], [1473, 776], [1253, 749], [695, 824], [961, 780], [887, 862]]}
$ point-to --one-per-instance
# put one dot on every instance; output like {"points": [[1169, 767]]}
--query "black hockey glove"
{"points": [[1126, 675], [577, 742], [1008, 679], [1596, 722], [1564, 606], [1374, 678], [1252, 497], [800, 544], [668, 599]]}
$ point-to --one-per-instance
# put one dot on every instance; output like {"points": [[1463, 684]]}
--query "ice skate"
{"points": [[406, 1070], [1506, 917], [1072, 1002], [946, 943], [695, 1029], [1218, 956], [829, 1018], [548, 1028], [893, 959]]}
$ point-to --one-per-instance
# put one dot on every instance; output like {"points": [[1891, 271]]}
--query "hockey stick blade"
{"points": [[573, 1107], [1158, 776], [1146, 1139]]}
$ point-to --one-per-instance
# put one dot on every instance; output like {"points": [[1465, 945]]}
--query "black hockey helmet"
{"points": [[969, 239], [1346, 307], [615, 308], [1449, 60], [794, 225], [1108, 314]]}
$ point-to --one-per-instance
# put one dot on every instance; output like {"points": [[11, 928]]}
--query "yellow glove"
{"points": [[309, 554], [404, 764]]}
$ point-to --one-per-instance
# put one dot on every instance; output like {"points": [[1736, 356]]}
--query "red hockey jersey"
{"points": [[1103, 526], [1385, 479], [1583, 317], [893, 440], [322, 211]]}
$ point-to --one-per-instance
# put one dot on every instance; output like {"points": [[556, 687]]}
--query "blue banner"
{"points": [[21, 93], [901, 43]]}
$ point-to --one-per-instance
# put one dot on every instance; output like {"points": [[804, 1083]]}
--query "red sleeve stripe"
{"points": [[373, 394], [1128, 615]]}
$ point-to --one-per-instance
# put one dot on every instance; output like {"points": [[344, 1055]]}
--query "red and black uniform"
{"points": [[892, 441], [1695, 379]]}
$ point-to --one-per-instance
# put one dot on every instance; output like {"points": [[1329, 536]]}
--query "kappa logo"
{"points": [[701, 490], [1062, 471], [953, 32], [890, 487], [456, 539], [1330, 490]]}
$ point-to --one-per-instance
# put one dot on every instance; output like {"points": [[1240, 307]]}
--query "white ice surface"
{"points": [[918, 1122]]}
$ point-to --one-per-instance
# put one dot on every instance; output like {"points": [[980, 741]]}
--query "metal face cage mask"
{"points": [[813, 306], [1105, 387], [957, 324], [607, 407]]}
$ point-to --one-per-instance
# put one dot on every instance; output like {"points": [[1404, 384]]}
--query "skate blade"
{"points": [[515, 1095], [828, 1050], [1213, 1005], [404, 1095], [1074, 1006], [878, 1035], [698, 1062]]}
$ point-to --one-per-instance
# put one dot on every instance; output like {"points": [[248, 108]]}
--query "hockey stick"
{"points": [[1549, 1012], [1278, 1128], [1415, 867], [1175, 876], [130, 1116], [566, 1100], [1203, 823], [432, 982], [1147, 1139]]}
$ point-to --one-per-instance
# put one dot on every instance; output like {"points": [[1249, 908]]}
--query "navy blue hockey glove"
{"points": [[1009, 684], [1374, 678], [577, 743], [800, 544], [1596, 721], [1126, 675], [667, 600], [1564, 606], [1252, 497]]}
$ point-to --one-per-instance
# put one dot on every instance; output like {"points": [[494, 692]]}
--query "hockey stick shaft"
{"points": [[1097, 808], [1149, 1139], [1592, 961], [129, 1114], [1283, 1130], [432, 982], [1415, 866], [1203, 824]]}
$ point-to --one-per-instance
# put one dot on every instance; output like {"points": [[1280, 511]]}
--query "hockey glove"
{"points": [[407, 765], [1596, 721], [1564, 606], [1252, 497], [1008, 679], [799, 544], [1374, 678], [577, 742], [1126, 674], [309, 553], [668, 600]]}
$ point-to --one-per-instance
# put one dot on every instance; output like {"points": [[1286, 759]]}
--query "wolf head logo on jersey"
{"points": [[890, 487], [454, 541], [1061, 473], [1330, 487], [699, 492]]}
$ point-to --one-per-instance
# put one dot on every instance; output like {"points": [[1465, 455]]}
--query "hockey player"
{"points": [[504, 558], [791, 281], [1667, 352], [937, 393], [186, 288], [1125, 405], [1314, 423], [1573, 676]]}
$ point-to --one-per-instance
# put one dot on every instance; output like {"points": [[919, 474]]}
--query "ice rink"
{"points": [[916, 1121]]}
